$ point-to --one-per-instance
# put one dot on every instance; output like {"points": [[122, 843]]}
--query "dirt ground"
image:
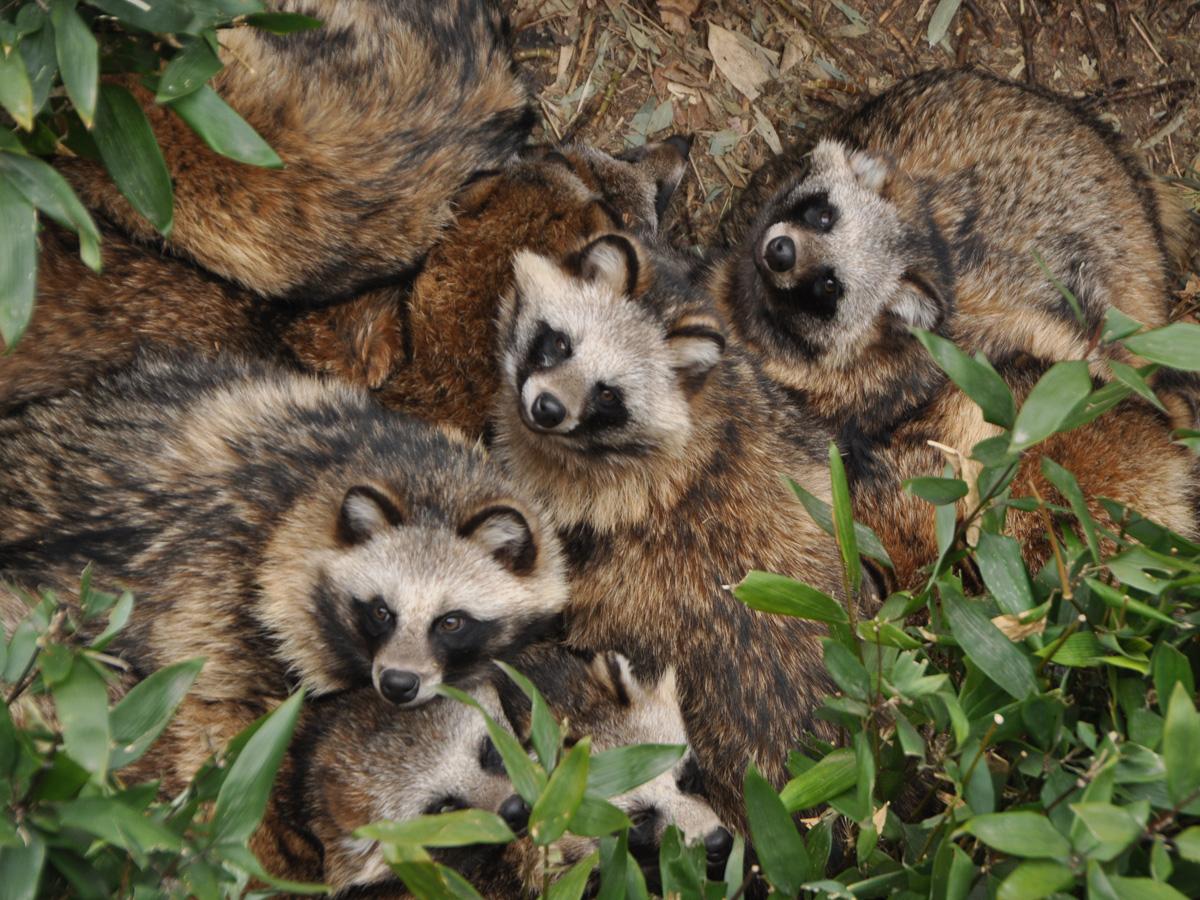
{"points": [[747, 77]]}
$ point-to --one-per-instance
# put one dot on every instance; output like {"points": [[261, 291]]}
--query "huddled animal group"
{"points": [[430, 398]]}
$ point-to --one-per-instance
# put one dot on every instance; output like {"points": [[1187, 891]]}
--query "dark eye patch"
{"points": [[447, 803], [605, 409], [375, 620], [490, 759], [689, 779], [549, 347], [460, 651], [816, 293], [815, 212]]}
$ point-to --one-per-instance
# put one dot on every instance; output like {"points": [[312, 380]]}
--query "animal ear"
{"points": [[663, 163], [504, 532], [611, 260], [871, 171], [917, 303], [697, 344], [365, 513]]}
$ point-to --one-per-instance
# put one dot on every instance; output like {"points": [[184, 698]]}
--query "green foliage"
{"points": [[52, 54], [72, 822]]}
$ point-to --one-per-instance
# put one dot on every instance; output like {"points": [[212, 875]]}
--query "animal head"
{"points": [[599, 696], [831, 268], [412, 581], [361, 762], [599, 361]]}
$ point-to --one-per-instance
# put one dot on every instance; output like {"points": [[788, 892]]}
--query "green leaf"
{"points": [[117, 620], [864, 778], [1143, 889], [219, 126], [144, 712], [1053, 398], [1132, 379], [282, 23], [460, 828], [682, 867], [132, 156], [544, 729], [41, 64], [1168, 666], [1181, 746], [614, 772], [112, 821], [1113, 826], [188, 71], [78, 58], [527, 776], [1122, 601], [843, 520], [781, 850], [18, 261], [242, 799], [846, 670], [975, 377], [1021, 833], [596, 818], [16, 93], [21, 868], [772, 593], [1069, 488], [937, 491], [1003, 570], [1117, 325], [1063, 290], [1035, 880], [433, 881], [571, 885], [157, 17], [81, 702], [939, 22], [1187, 842], [1177, 345], [953, 872], [49, 192], [822, 513], [985, 645], [562, 796], [834, 774]]}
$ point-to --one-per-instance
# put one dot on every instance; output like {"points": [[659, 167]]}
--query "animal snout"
{"points": [[399, 687], [780, 253], [515, 813], [717, 846], [547, 410]]}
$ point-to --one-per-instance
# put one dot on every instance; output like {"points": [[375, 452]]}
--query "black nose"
{"points": [[398, 686], [547, 411], [717, 845], [780, 254], [515, 813]]}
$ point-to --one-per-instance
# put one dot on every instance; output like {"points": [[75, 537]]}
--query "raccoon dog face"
{"points": [[833, 262], [369, 764], [409, 603], [593, 369]]}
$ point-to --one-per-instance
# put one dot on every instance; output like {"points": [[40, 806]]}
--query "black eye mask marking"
{"points": [[814, 212], [376, 621], [548, 348], [816, 293]]}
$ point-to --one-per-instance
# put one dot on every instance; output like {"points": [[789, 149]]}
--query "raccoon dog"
{"points": [[658, 447], [926, 208], [275, 520], [379, 116], [429, 351]]}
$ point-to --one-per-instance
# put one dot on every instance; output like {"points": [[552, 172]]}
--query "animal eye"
{"points": [[380, 611], [606, 396], [451, 623], [553, 347], [821, 216], [445, 804], [827, 287], [561, 345]]}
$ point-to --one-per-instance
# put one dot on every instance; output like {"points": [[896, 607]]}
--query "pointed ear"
{"points": [[917, 302], [612, 260], [664, 163], [872, 171], [365, 513], [697, 343], [503, 531]]}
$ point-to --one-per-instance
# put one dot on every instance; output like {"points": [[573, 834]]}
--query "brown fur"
{"points": [[429, 352], [425, 348], [379, 117], [217, 494], [657, 536]]}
